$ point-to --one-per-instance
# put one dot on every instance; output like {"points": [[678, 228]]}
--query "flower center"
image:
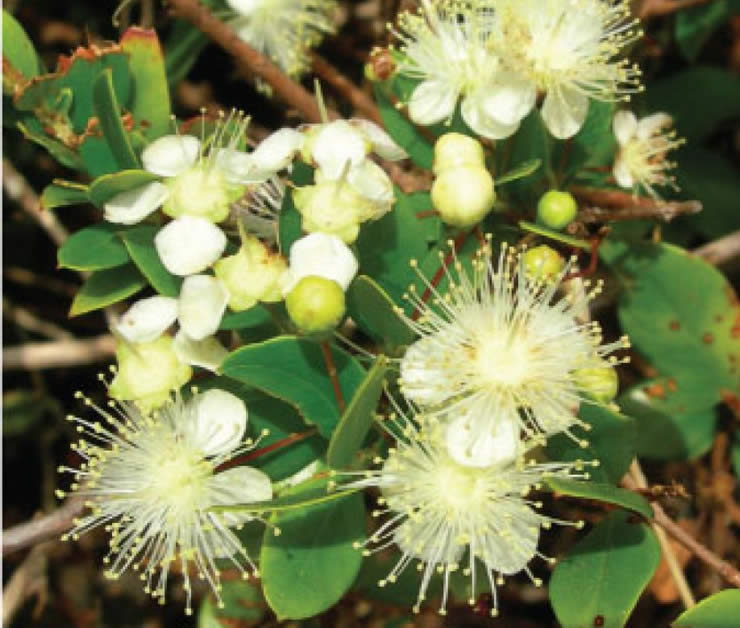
{"points": [[201, 191], [458, 487], [503, 359], [180, 479]]}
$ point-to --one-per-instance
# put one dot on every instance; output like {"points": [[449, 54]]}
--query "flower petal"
{"points": [[170, 155], [218, 421], [189, 245], [622, 173], [208, 353], [564, 112], [321, 255], [201, 305], [624, 126], [383, 144], [277, 150], [132, 206], [477, 118], [523, 530], [244, 7], [336, 144], [432, 101], [652, 124], [371, 182], [498, 446], [510, 99], [241, 485], [147, 319], [238, 166]]}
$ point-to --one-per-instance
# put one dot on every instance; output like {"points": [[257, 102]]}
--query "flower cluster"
{"points": [[500, 57]]}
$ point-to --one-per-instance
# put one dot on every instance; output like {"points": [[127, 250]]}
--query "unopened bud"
{"points": [[455, 149], [463, 195], [332, 207], [543, 263], [316, 304], [599, 382], [556, 209]]}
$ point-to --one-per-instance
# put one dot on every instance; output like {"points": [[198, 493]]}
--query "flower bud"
{"points": [[332, 207], [253, 274], [147, 372], [498, 447], [203, 192], [316, 304], [600, 382], [543, 263], [463, 195], [556, 209], [455, 149]]}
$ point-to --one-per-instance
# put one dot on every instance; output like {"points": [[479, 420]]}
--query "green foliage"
{"points": [[105, 187], [694, 25], [244, 605], [607, 493], [20, 61], [139, 242], [105, 287], [712, 612], [289, 224], [600, 580], [63, 193], [93, 248]]}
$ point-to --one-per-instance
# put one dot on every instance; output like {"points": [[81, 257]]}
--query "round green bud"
{"points": [[543, 263], [203, 192], [556, 209], [455, 149], [598, 382], [463, 195], [316, 304]]}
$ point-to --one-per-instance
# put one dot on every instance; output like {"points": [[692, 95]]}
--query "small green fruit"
{"points": [[463, 195], [556, 209], [316, 304], [600, 383], [543, 263], [455, 149]]}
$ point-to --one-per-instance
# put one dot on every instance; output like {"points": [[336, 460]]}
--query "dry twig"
{"points": [[71, 352], [42, 528], [28, 579], [721, 251]]}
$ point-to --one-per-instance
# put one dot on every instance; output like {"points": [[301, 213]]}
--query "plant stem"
{"points": [[331, 369]]}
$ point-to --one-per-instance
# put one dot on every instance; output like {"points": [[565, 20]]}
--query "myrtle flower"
{"points": [[567, 50], [320, 255], [643, 148], [283, 30], [151, 478], [449, 514], [447, 48], [501, 343]]}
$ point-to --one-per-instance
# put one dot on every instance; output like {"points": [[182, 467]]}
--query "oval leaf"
{"points": [[105, 287], [718, 611], [63, 193], [93, 248], [139, 242], [109, 116], [602, 493], [106, 187], [521, 171]]}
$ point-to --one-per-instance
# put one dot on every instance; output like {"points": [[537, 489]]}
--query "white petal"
{"points": [[322, 255], [622, 174], [523, 530], [189, 245], [147, 319], [244, 7], [241, 485], [498, 445], [336, 144], [650, 125], [431, 102], [420, 374], [477, 118], [219, 420], [624, 126], [237, 166], [277, 150], [132, 206], [201, 306], [383, 144], [510, 99], [371, 181], [564, 112], [208, 353], [170, 155]]}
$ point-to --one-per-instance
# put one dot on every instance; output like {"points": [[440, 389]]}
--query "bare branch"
{"points": [[42, 528], [45, 355], [725, 249]]}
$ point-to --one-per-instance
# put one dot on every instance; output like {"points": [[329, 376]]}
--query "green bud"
{"points": [[455, 149], [600, 382], [463, 195], [556, 209], [543, 263], [148, 372], [316, 304], [202, 192], [332, 207]]}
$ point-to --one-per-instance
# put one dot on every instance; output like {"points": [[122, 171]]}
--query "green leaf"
{"points": [[602, 493], [23, 409], [293, 369], [93, 248], [593, 145], [698, 99], [306, 497], [312, 563], [522, 170], [289, 223], [531, 141], [679, 312], [720, 610], [253, 325], [105, 287], [403, 592], [358, 417], [62, 193], [63, 154], [601, 579], [243, 602], [20, 61], [139, 242], [373, 311], [150, 104], [676, 418], [694, 25], [109, 117], [106, 187], [401, 129], [611, 441], [97, 157]]}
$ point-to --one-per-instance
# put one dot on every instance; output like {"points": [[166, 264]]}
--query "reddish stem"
{"points": [[263, 451], [332, 370], [592, 262]]}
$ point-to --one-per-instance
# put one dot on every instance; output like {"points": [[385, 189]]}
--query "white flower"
{"points": [[150, 479], [501, 344], [283, 30], [147, 319], [201, 305], [444, 513], [566, 49], [446, 47], [643, 148], [189, 245], [320, 255], [208, 353]]}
